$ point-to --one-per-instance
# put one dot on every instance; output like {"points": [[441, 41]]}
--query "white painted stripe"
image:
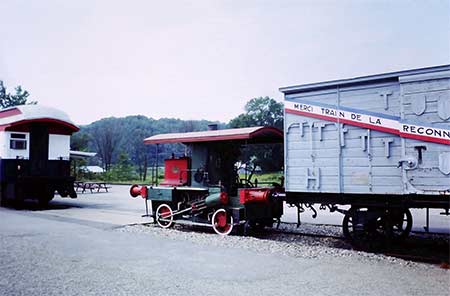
{"points": [[371, 121]]}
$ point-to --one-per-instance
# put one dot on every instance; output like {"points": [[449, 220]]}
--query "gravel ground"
{"points": [[292, 244]]}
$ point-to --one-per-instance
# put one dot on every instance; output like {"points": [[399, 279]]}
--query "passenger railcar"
{"points": [[34, 154]]}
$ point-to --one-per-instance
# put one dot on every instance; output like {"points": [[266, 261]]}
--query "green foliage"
{"points": [[79, 141], [119, 145], [106, 137], [266, 178], [109, 137], [262, 111], [242, 120], [123, 170], [19, 98]]}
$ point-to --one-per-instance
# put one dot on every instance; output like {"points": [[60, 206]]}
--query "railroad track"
{"points": [[419, 247], [303, 233], [431, 248]]}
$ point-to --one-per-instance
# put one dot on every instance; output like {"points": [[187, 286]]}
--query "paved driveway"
{"points": [[75, 248]]}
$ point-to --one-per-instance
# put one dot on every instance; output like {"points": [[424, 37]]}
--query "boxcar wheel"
{"points": [[398, 223], [374, 227], [363, 227], [348, 227]]}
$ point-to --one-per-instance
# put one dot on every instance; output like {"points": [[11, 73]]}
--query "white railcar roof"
{"points": [[29, 113]]}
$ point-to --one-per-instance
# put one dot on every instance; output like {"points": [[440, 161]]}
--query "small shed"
{"points": [[95, 169], [214, 153]]}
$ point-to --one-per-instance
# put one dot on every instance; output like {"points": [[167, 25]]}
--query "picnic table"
{"points": [[81, 186]]}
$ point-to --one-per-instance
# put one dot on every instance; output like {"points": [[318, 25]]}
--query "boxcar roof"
{"points": [[258, 134], [362, 79], [25, 114]]}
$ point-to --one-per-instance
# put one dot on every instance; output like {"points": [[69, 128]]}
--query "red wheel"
{"points": [[222, 222], [164, 216]]}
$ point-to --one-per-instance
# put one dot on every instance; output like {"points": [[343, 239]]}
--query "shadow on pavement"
{"points": [[32, 205]]}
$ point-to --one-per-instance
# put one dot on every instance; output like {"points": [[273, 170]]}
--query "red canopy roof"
{"points": [[257, 134]]}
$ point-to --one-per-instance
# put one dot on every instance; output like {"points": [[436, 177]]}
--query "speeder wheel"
{"points": [[164, 216], [222, 222]]}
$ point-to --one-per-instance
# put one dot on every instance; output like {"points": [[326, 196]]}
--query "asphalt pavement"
{"points": [[117, 207], [75, 248]]}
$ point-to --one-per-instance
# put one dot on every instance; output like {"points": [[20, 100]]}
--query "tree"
{"points": [[79, 141], [106, 137], [138, 151], [262, 111], [122, 170], [109, 137], [9, 100], [188, 126]]}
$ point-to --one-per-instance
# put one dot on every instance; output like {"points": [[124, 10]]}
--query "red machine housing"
{"points": [[176, 172], [137, 190], [254, 195]]}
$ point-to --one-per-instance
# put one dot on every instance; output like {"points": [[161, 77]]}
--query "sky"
{"points": [[205, 59]]}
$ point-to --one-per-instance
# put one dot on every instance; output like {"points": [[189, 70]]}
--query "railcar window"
{"points": [[18, 136], [18, 142]]}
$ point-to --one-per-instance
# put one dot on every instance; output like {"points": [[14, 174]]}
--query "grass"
{"points": [[272, 177], [263, 178]]}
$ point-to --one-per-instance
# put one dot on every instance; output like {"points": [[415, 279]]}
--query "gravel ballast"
{"points": [[288, 240]]}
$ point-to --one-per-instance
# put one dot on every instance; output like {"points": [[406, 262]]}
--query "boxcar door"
{"points": [[312, 144], [371, 155]]}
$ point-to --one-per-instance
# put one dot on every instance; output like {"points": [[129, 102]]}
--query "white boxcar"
{"points": [[380, 140]]}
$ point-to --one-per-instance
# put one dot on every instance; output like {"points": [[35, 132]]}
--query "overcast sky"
{"points": [[205, 59]]}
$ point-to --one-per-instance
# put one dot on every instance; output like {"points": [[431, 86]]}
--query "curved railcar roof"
{"points": [[258, 134], [23, 115]]}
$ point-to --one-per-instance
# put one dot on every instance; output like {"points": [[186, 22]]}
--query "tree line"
{"points": [[19, 97], [119, 145], [118, 142]]}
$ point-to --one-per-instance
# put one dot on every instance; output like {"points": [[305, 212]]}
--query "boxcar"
{"points": [[379, 143]]}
